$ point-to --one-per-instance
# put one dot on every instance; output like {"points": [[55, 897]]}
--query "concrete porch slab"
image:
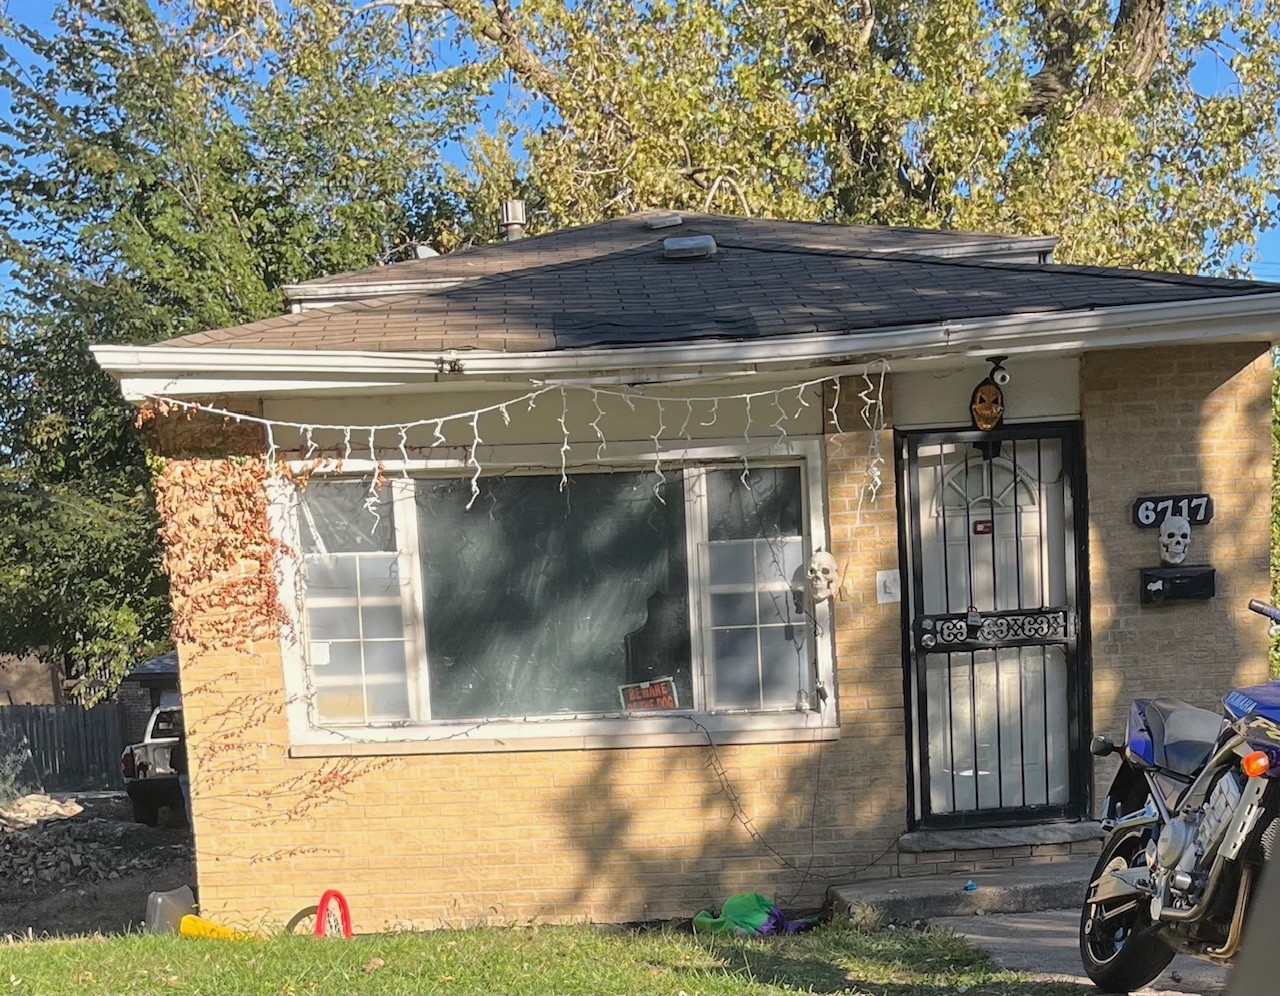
{"points": [[1021, 889], [1047, 944]]}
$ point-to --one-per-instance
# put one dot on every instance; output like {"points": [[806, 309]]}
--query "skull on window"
{"points": [[1175, 540], [822, 576]]}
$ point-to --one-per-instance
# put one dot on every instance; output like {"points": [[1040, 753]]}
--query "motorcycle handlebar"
{"points": [[1263, 609]]}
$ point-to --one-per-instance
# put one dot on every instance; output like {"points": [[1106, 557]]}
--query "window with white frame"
{"points": [[547, 596]]}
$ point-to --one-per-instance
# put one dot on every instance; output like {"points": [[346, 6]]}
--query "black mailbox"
{"points": [[1176, 584]]}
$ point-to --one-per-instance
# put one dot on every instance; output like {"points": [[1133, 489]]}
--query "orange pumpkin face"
{"points": [[987, 405]]}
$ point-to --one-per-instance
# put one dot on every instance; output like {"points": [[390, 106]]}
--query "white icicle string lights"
{"points": [[872, 413], [564, 443], [657, 455], [874, 419]]}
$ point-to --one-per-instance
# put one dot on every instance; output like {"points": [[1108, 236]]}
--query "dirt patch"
{"points": [[87, 873]]}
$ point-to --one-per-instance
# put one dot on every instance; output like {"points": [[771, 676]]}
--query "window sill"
{"points": [[764, 730]]}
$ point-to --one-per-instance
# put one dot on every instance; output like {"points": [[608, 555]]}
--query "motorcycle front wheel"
{"points": [[1118, 941]]}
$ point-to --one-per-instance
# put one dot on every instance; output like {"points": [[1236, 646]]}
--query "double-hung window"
{"points": [[428, 612]]}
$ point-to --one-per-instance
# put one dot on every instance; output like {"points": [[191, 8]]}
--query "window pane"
{"points": [[356, 641], [779, 608], [771, 506], [541, 601], [764, 664], [334, 622], [733, 610], [333, 517], [737, 678], [381, 622], [330, 577], [379, 576], [780, 560], [784, 665], [382, 657], [388, 702], [335, 660], [732, 563], [340, 704]]}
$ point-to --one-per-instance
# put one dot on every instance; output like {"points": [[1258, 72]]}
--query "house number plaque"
{"points": [[1149, 512]]}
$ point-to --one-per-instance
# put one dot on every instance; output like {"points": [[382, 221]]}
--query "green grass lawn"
{"points": [[832, 959]]}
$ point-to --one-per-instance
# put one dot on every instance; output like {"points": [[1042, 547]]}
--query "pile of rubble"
{"points": [[41, 845], [31, 809]]}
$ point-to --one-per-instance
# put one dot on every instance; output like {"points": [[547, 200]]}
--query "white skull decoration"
{"points": [[1175, 540], [822, 576]]}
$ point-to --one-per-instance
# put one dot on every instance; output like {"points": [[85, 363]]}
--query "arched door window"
{"points": [[996, 484]]}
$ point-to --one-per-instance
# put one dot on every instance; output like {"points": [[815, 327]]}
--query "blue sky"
{"points": [[1207, 77]]}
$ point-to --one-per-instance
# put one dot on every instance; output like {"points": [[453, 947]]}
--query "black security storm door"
{"points": [[993, 656]]}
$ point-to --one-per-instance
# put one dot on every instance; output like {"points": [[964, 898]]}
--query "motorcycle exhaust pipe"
{"points": [[1228, 950]]}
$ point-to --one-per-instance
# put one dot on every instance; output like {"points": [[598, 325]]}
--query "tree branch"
{"points": [[1063, 32], [503, 32], [1139, 40], [1141, 37]]}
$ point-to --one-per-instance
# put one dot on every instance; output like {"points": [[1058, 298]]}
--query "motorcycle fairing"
{"points": [[1171, 735], [1255, 713], [1137, 734]]}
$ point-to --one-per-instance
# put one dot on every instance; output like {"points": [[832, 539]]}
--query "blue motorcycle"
{"points": [[1192, 815]]}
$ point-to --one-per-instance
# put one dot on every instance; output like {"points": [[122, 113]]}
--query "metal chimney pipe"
{"points": [[513, 220]]}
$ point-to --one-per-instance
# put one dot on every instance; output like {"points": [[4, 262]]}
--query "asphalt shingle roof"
{"points": [[165, 664], [619, 234], [610, 284]]}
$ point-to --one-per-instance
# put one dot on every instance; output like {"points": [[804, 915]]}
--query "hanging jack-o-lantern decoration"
{"points": [[986, 406]]}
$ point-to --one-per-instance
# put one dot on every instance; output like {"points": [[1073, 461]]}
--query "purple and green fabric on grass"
{"points": [[749, 914]]}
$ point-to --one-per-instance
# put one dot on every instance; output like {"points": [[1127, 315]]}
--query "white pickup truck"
{"points": [[149, 777]]}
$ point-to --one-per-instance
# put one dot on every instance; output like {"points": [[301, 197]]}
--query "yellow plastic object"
{"points": [[197, 926]]}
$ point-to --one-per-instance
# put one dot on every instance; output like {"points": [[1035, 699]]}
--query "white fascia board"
{"points": [[1254, 318], [141, 388]]}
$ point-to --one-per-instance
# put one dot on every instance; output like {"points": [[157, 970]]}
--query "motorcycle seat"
{"points": [[1182, 734]]}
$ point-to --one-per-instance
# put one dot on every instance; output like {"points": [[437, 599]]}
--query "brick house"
{"points": [[549, 647], [29, 681], [145, 687]]}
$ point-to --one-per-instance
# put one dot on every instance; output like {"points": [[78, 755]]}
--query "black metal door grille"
{"points": [[991, 625]]}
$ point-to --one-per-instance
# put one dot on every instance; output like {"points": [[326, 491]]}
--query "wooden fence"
{"points": [[67, 748]]}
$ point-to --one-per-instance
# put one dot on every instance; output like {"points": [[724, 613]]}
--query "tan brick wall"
{"points": [[629, 834], [870, 759], [1195, 418], [620, 834]]}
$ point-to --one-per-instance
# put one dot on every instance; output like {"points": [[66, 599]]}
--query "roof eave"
{"points": [[150, 371]]}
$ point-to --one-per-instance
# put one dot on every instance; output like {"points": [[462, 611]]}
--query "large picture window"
{"points": [[549, 596]]}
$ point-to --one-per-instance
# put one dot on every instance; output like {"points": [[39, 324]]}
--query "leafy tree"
{"points": [[161, 174], [169, 166], [1082, 118]]}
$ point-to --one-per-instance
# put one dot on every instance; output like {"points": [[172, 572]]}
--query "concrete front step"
{"points": [[1022, 889]]}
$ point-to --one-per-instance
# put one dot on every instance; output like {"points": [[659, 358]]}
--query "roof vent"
{"points": [[689, 247], [668, 219], [513, 220], [424, 252]]}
